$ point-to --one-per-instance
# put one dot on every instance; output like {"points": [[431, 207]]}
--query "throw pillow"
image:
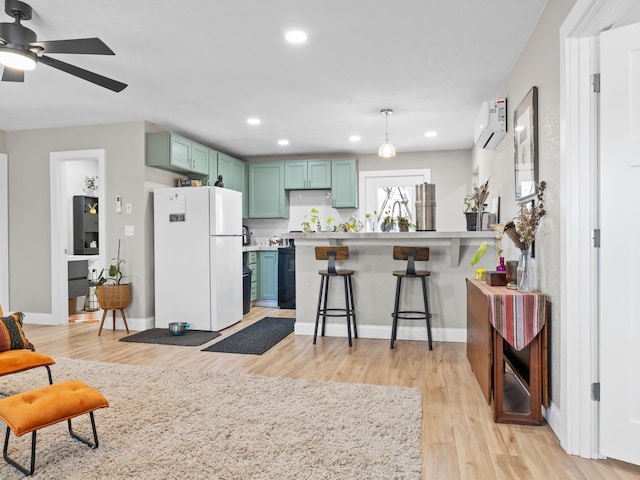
{"points": [[11, 335]]}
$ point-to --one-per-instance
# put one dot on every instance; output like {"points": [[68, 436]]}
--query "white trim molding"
{"points": [[4, 232], [576, 423]]}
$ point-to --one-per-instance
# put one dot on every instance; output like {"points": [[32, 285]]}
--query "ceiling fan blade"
{"points": [[89, 46], [84, 74], [12, 75]]}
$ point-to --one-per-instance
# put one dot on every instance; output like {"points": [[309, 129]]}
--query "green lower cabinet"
{"points": [[344, 183], [251, 261], [268, 275]]}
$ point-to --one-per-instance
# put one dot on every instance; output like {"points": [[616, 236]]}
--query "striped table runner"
{"points": [[517, 316]]}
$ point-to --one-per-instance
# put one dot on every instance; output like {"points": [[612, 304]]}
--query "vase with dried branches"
{"points": [[474, 202], [522, 232]]}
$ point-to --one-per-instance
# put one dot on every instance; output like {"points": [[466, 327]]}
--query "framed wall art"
{"points": [[525, 139]]}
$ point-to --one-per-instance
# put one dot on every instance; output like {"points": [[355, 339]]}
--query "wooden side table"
{"points": [[507, 350]]}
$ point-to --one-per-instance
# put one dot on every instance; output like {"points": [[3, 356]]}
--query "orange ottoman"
{"points": [[30, 411]]}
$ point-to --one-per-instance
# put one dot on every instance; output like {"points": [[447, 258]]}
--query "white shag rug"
{"points": [[175, 424]]}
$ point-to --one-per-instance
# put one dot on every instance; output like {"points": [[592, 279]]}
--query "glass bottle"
{"points": [[502, 267]]}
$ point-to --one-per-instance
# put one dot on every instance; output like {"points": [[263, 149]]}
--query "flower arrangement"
{"points": [[522, 230], [475, 200]]}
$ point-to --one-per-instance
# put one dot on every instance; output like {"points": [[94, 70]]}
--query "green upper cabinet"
{"points": [[267, 197], [232, 171], [172, 152], [344, 183], [213, 166], [307, 174], [234, 177]]}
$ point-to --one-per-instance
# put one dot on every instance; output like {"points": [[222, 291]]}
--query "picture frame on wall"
{"points": [[525, 139]]}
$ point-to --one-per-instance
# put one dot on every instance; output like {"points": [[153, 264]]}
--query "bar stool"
{"points": [[332, 254], [411, 254]]}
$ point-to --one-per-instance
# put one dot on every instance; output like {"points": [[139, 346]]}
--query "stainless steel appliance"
{"points": [[246, 239], [426, 206]]}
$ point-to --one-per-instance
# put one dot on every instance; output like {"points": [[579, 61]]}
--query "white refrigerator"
{"points": [[198, 257]]}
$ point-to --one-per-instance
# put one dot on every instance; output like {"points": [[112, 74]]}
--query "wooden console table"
{"points": [[507, 350]]}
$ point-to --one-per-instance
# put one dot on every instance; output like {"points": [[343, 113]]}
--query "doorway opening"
{"points": [[76, 262]]}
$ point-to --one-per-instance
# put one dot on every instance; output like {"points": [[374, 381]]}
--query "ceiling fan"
{"points": [[20, 50]]}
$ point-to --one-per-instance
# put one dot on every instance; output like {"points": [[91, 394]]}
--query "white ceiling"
{"points": [[201, 68]]}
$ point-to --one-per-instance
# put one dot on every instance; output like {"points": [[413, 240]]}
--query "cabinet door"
{"points": [[180, 152], [268, 271], [225, 168], [295, 175], [319, 174], [213, 167], [199, 158], [237, 167], [344, 183], [267, 198]]}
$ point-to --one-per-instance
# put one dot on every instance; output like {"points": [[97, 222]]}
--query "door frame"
{"points": [[58, 162], [578, 427], [4, 232]]}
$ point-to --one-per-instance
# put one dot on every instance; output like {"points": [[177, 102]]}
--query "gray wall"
{"points": [[538, 65], [3, 141], [29, 211]]}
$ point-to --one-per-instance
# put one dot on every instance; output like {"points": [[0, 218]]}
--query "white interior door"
{"points": [[620, 255]]}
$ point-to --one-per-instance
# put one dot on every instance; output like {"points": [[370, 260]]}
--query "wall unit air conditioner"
{"points": [[491, 124]]}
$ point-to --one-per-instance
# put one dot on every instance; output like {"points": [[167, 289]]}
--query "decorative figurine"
{"points": [[219, 182]]}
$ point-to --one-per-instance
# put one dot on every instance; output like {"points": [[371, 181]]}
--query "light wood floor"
{"points": [[459, 438]]}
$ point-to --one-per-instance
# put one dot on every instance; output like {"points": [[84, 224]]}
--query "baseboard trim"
{"points": [[458, 335], [137, 324]]}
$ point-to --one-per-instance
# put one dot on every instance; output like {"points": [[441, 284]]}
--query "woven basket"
{"points": [[113, 297]]}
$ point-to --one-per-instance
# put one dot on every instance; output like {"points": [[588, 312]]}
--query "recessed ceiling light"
{"points": [[431, 134], [283, 142], [295, 36], [354, 138], [253, 121]]}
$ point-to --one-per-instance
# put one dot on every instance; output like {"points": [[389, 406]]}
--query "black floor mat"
{"points": [[257, 338], [191, 338]]}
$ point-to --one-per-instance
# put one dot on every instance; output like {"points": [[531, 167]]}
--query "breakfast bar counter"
{"points": [[370, 255]]}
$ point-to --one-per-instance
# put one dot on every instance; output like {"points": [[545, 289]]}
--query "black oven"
{"points": [[287, 277]]}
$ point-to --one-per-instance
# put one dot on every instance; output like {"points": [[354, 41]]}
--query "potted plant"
{"points": [[403, 223], [112, 293], [474, 204]]}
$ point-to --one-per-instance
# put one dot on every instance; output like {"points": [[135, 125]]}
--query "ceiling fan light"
{"points": [[17, 60], [387, 150]]}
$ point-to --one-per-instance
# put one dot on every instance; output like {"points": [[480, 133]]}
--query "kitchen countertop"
{"points": [[258, 248]]}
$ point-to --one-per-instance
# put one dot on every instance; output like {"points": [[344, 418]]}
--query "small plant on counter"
{"points": [[313, 224], [476, 199], [328, 225]]}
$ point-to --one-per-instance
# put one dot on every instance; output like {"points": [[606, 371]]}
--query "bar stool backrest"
{"points": [[332, 254], [412, 254]]}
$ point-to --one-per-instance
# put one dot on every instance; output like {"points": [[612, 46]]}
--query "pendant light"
{"points": [[386, 150]]}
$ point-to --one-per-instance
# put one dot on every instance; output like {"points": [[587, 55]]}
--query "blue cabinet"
{"points": [[307, 174], [172, 152], [344, 183], [267, 197], [268, 275]]}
